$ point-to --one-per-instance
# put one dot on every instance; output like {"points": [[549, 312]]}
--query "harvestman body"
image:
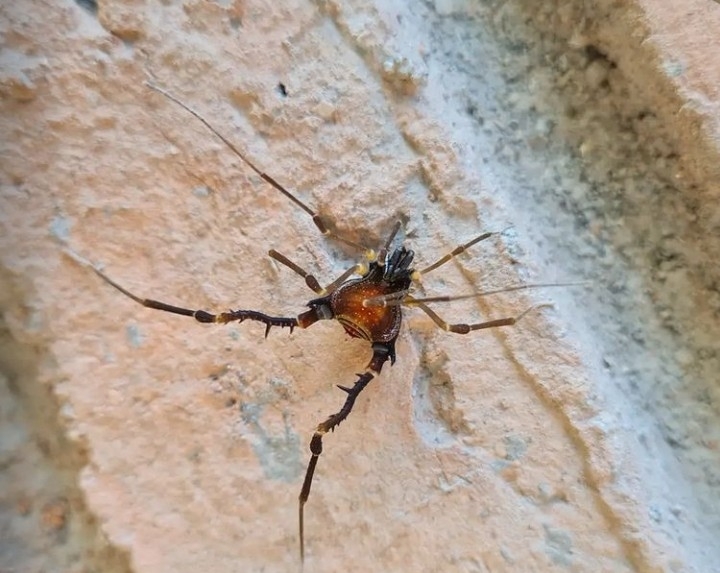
{"points": [[368, 307]]}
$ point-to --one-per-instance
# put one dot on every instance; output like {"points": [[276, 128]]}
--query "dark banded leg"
{"points": [[320, 222], [382, 352], [383, 252], [465, 328], [310, 280], [359, 268], [204, 316]]}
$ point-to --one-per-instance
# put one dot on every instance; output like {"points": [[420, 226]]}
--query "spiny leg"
{"points": [[320, 222], [202, 315], [454, 253], [465, 328], [381, 353]]}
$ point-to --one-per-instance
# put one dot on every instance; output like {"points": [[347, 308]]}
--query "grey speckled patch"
{"points": [[60, 228], [134, 335], [279, 454], [558, 546]]}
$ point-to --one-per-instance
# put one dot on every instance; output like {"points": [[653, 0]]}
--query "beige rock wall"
{"points": [[584, 439]]}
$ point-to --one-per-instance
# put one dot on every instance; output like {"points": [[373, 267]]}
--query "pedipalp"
{"points": [[381, 354]]}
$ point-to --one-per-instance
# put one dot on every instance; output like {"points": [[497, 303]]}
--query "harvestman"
{"points": [[368, 307]]}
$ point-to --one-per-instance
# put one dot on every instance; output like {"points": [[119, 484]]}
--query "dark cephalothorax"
{"points": [[368, 307]]}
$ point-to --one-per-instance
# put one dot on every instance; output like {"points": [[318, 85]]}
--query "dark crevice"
{"points": [[45, 524], [88, 5]]}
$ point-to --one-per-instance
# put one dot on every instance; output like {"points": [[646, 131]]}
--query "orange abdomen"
{"points": [[373, 323]]}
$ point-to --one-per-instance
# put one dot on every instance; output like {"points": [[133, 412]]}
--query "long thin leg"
{"points": [[320, 222], [401, 297], [359, 268], [454, 253], [465, 328], [311, 281], [381, 353], [383, 252], [204, 316]]}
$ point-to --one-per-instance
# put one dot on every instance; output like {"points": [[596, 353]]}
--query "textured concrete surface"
{"points": [[584, 439]]}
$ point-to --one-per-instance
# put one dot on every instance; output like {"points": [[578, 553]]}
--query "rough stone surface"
{"points": [[586, 438]]}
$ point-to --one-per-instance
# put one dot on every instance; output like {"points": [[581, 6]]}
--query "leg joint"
{"points": [[316, 444], [203, 316]]}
